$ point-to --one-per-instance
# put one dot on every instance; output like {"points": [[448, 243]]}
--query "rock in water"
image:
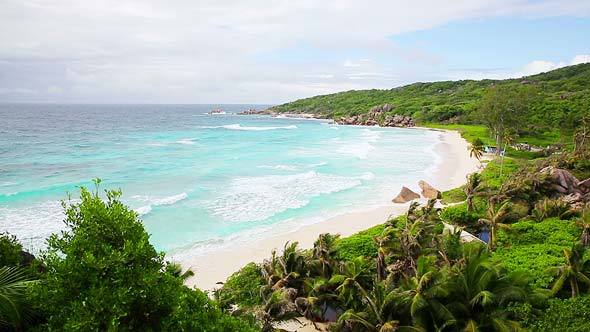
{"points": [[429, 191], [405, 195]]}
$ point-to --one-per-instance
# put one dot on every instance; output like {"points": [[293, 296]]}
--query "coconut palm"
{"points": [[14, 310], [495, 219], [353, 281], [175, 269], [423, 296], [576, 270], [476, 149], [480, 287], [284, 270], [320, 294], [380, 313], [584, 223], [473, 188], [323, 253]]}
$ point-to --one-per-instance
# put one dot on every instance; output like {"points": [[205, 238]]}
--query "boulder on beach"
{"points": [[429, 191], [405, 195], [563, 181]]}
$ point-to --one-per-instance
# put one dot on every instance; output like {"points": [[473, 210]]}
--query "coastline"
{"points": [[213, 267]]}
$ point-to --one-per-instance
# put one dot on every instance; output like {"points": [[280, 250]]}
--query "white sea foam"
{"points": [[258, 198], [238, 126], [33, 224], [186, 141], [280, 167], [361, 148], [152, 201], [142, 210]]}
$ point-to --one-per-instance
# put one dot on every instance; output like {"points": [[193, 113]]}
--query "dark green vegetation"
{"points": [[545, 110], [102, 274], [561, 96], [410, 274]]}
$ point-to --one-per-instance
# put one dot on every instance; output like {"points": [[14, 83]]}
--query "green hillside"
{"points": [[564, 94]]}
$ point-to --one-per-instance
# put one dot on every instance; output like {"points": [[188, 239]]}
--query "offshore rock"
{"points": [[429, 191], [405, 195]]}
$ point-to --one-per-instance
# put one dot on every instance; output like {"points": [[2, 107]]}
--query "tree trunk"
{"points": [[498, 144], [469, 203], [492, 244], [574, 286]]}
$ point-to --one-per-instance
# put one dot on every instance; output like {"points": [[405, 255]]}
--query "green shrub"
{"points": [[571, 315], [10, 250], [549, 231], [533, 259], [102, 274], [536, 246], [496, 173], [458, 214], [455, 195], [242, 288], [359, 244]]}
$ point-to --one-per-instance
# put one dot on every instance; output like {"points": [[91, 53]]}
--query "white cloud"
{"points": [[532, 68], [210, 50], [541, 66], [582, 58]]}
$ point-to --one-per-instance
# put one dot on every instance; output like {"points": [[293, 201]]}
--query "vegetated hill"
{"points": [[564, 95]]}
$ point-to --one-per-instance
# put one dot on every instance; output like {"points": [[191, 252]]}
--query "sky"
{"points": [[273, 51]]}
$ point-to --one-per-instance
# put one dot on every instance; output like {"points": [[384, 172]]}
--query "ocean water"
{"points": [[199, 181]]}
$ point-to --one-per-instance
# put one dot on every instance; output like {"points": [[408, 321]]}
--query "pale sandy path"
{"points": [[216, 266]]}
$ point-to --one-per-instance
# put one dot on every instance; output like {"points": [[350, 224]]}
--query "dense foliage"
{"points": [[410, 274], [564, 94], [102, 274]]}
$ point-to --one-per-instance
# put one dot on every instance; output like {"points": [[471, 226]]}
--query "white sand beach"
{"points": [[216, 266]]}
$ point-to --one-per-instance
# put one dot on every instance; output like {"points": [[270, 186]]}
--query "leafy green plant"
{"points": [[15, 308], [242, 288], [10, 250], [102, 274], [549, 208], [359, 244], [459, 214], [572, 315]]}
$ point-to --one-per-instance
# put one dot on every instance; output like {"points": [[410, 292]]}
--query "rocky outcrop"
{"points": [[565, 182], [405, 195], [378, 115], [429, 191], [398, 121], [568, 187], [253, 111]]}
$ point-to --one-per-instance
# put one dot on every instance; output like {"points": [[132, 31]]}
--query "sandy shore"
{"points": [[214, 267]]}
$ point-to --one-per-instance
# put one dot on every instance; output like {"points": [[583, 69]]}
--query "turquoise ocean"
{"points": [[199, 181]]}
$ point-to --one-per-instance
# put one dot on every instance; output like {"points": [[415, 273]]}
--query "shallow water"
{"points": [[198, 181]]}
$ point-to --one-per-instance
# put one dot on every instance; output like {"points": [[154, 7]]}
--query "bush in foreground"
{"points": [[102, 274]]}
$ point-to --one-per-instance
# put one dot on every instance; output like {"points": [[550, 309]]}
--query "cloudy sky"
{"points": [[272, 51]]}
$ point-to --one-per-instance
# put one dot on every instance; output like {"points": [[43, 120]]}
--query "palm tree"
{"points": [[476, 149], [175, 269], [575, 270], [584, 223], [473, 188], [380, 313], [320, 293], [14, 310], [423, 296], [323, 253], [480, 288], [495, 219], [353, 281], [286, 269]]}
